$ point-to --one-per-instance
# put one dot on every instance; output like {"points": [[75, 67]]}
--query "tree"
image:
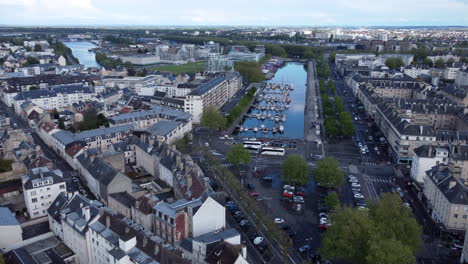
{"points": [[5, 165], [278, 51], [332, 201], [131, 72], [339, 106], [182, 144], [428, 62], [31, 61], [347, 126], [61, 124], [439, 63], [211, 118], [330, 126], [238, 155], [328, 174], [2, 260], [394, 63], [295, 170], [387, 233], [450, 61], [37, 47], [464, 60]]}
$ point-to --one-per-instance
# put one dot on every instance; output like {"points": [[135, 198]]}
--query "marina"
{"points": [[278, 103]]}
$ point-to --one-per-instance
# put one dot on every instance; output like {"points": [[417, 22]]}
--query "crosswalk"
{"points": [[375, 164], [378, 180], [226, 165]]}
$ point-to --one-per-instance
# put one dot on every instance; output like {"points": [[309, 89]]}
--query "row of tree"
{"points": [[251, 71], [237, 110], [323, 70], [62, 50], [338, 121]]}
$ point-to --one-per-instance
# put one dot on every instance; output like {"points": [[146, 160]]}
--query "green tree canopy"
{"points": [[428, 62], [394, 63], [250, 71], [295, 170], [278, 51], [387, 233], [238, 155], [212, 118], [347, 126], [332, 201], [37, 47], [439, 63], [328, 173], [331, 128]]}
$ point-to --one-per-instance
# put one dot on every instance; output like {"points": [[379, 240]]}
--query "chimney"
{"points": [[137, 204], [420, 129], [91, 158], [108, 223], [85, 153], [145, 241], [244, 251], [86, 213], [156, 249], [178, 162], [127, 229]]}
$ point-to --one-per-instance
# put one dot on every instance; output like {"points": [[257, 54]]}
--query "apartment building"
{"points": [[425, 157], [215, 62], [188, 218], [132, 82], [462, 77], [58, 97], [40, 188], [447, 198]]}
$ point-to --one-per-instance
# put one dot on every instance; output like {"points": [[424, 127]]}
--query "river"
{"points": [[80, 51], [292, 73]]}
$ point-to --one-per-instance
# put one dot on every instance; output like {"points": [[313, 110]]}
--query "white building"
{"points": [[450, 73], [40, 188], [426, 157], [462, 77], [10, 229], [58, 97], [133, 83], [415, 71], [215, 62], [215, 92]]}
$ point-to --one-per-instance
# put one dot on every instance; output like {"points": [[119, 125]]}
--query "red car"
{"points": [[322, 227], [254, 194], [287, 194]]}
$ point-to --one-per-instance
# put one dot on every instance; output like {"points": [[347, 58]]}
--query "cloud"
{"points": [[242, 12]]}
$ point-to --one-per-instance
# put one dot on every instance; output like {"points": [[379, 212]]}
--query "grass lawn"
{"points": [[185, 68]]}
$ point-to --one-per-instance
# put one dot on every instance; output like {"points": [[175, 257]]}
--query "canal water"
{"points": [[80, 51], [292, 73]]}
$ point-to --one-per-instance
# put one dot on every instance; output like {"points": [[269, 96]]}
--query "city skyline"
{"points": [[243, 13]]}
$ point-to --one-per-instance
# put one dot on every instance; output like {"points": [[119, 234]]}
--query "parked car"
{"points": [[254, 194], [300, 191], [298, 199], [250, 186], [278, 220], [287, 193], [267, 178], [258, 240], [355, 184], [243, 223], [359, 196], [303, 248], [353, 180]]}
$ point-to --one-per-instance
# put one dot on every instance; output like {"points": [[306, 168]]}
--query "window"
{"points": [[464, 216], [455, 216], [62, 186], [34, 200]]}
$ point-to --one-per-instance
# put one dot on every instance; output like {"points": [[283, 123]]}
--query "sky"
{"points": [[238, 12]]}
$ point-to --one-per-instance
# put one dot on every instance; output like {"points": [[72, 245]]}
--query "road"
{"points": [[59, 162]]}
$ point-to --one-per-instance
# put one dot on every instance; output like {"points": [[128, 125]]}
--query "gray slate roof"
{"points": [[7, 218]]}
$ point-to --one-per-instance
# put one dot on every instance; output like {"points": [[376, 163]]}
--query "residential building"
{"points": [[462, 77], [425, 157], [183, 219], [47, 250], [215, 92], [147, 118], [10, 229], [216, 247], [216, 62], [417, 70], [40, 188], [447, 198]]}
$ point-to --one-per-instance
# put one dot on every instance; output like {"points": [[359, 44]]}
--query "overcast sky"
{"points": [[235, 12]]}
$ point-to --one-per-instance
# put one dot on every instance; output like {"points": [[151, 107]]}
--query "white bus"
{"points": [[253, 144], [272, 151]]}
